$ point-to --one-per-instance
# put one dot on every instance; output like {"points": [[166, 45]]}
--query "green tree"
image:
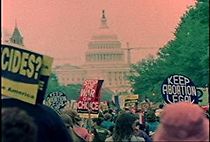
{"points": [[106, 94], [186, 54], [53, 84], [72, 91]]}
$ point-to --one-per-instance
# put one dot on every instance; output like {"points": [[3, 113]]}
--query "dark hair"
{"points": [[110, 111], [150, 116], [17, 126], [107, 116], [98, 121], [123, 128], [105, 111], [161, 106]]}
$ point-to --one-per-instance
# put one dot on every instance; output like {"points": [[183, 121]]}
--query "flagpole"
{"points": [[89, 116]]}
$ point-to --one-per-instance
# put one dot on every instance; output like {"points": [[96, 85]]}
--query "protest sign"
{"points": [[178, 88], [21, 71], [56, 100], [130, 100], [88, 102], [44, 77], [205, 98], [123, 101]]}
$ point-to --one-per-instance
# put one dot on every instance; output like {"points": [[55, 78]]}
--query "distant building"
{"points": [[104, 59], [15, 39]]}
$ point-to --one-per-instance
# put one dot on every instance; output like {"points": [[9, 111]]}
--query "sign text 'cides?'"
{"points": [[17, 61], [178, 88], [24, 74]]}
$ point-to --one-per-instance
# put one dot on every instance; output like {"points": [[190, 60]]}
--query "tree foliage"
{"points": [[187, 54], [53, 84]]}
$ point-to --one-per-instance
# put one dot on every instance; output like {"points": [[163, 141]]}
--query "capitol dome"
{"points": [[104, 33], [104, 46]]}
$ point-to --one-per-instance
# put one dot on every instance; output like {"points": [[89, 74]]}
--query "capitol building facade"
{"points": [[105, 59]]}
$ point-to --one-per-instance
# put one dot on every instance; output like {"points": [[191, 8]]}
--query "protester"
{"points": [[127, 109], [67, 120], [69, 124], [78, 125], [107, 123], [207, 114], [141, 116], [159, 111], [124, 129], [17, 126], [206, 110], [183, 122], [50, 126], [139, 132], [151, 122], [100, 133], [112, 112]]}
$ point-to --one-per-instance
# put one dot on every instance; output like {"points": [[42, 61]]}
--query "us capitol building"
{"points": [[104, 59]]}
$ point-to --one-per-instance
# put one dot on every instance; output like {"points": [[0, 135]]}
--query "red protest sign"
{"points": [[89, 99]]}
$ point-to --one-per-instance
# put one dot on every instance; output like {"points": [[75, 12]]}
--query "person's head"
{"points": [[183, 122], [17, 126], [127, 109], [124, 126], [150, 116], [105, 111], [110, 111], [138, 111], [107, 116], [97, 121], [76, 119], [67, 120], [161, 106]]}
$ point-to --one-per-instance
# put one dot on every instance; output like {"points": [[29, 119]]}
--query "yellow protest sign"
{"points": [[44, 77], [22, 91], [128, 100], [21, 71]]}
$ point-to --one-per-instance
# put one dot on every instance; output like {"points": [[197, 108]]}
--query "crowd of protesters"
{"points": [[182, 121]]}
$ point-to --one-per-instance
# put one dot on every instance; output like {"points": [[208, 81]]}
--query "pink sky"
{"points": [[62, 28]]}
